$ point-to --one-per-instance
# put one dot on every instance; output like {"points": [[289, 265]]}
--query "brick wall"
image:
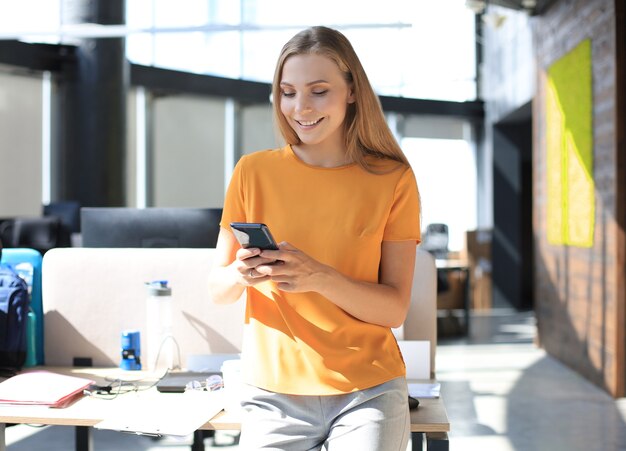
{"points": [[578, 304]]}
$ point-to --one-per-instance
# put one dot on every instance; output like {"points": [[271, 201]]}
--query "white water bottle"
{"points": [[159, 340]]}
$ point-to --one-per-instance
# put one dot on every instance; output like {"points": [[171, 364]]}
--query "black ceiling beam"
{"points": [[52, 57], [168, 82], [470, 110], [43, 57], [165, 81]]}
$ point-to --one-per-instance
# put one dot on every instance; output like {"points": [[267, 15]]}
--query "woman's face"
{"points": [[314, 99]]}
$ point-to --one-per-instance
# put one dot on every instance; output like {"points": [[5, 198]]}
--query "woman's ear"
{"points": [[351, 96]]}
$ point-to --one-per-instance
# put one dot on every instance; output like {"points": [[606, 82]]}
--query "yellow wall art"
{"points": [[569, 142]]}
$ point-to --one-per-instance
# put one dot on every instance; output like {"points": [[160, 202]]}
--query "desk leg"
{"points": [[3, 443], [417, 441], [83, 438], [437, 441], [198, 440]]}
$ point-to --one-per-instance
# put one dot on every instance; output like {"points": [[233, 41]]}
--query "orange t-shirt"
{"points": [[302, 343]]}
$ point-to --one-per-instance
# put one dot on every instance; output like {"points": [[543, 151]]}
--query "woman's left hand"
{"points": [[293, 270], [384, 302]]}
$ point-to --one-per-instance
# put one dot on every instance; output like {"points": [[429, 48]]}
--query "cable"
{"points": [[166, 338], [107, 392], [108, 389]]}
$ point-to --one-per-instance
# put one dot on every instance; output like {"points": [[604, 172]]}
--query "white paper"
{"points": [[422, 390], [164, 414], [416, 354], [208, 362], [398, 332]]}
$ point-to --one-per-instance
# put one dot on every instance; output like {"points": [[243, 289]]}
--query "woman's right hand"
{"points": [[233, 269], [246, 260]]}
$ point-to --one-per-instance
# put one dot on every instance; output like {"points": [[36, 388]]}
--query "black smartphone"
{"points": [[253, 234]]}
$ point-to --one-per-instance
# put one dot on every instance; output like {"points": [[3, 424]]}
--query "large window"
{"points": [[445, 170], [410, 48]]}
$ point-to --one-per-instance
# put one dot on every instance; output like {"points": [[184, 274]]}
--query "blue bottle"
{"points": [[131, 350]]}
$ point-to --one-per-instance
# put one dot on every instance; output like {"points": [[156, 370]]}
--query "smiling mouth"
{"points": [[309, 123]]}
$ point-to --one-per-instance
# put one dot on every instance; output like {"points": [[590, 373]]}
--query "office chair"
{"points": [[68, 213], [435, 240], [39, 233], [6, 231]]}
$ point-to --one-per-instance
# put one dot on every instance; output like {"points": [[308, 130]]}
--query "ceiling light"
{"points": [[477, 6]]}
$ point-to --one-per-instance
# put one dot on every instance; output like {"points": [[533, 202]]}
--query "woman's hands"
{"points": [[384, 303], [235, 268], [292, 269]]}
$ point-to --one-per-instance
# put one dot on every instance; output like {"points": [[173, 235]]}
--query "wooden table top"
{"points": [[431, 416]]}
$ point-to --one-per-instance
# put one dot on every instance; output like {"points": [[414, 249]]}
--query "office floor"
{"points": [[501, 393]]}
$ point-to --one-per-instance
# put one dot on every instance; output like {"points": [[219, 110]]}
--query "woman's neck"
{"points": [[322, 155]]}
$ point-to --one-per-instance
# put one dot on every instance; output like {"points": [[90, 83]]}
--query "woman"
{"points": [[320, 360]]}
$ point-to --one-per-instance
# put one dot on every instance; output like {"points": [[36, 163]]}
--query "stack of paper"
{"points": [[424, 390], [42, 388]]}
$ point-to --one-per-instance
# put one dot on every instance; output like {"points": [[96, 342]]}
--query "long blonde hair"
{"points": [[365, 129]]}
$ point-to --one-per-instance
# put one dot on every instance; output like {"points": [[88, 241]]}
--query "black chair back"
{"points": [[39, 233]]}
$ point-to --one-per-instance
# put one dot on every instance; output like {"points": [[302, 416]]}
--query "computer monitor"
{"points": [[150, 227]]}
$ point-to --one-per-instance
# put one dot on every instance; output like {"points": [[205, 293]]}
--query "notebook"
{"points": [[42, 388], [175, 382]]}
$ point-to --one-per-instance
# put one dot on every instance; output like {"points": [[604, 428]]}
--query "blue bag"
{"points": [[14, 305]]}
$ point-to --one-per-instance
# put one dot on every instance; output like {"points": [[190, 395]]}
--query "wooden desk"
{"points": [[429, 422]]}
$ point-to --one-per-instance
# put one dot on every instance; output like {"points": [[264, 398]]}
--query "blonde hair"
{"points": [[365, 129]]}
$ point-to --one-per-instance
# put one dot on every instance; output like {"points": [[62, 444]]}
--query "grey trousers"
{"points": [[374, 419]]}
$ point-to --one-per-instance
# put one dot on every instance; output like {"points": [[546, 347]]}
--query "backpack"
{"points": [[14, 306]]}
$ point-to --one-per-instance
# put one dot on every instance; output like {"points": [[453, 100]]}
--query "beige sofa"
{"points": [[90, 295]]}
